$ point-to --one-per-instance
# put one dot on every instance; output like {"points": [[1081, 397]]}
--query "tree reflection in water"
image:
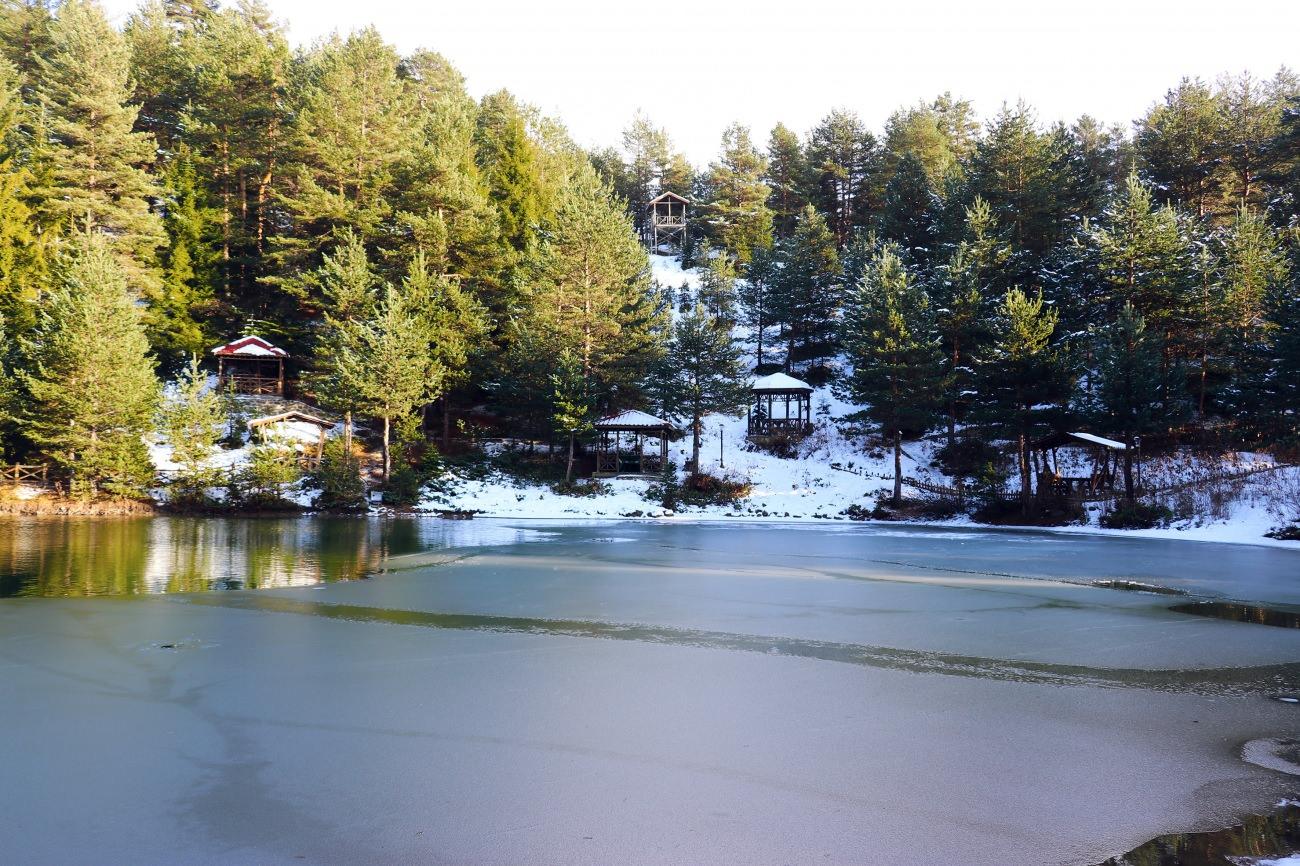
{"points": [[133, 556]]}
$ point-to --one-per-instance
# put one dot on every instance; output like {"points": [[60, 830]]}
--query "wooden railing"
{"points": [[774, 426], [36, 474], [663, 220], [245, 384]]}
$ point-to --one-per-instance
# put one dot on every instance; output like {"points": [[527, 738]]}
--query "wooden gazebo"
{"points": [[666, 221], [1106, 454], [620, 448], [303, 432], [251, 365], [781, 405]]}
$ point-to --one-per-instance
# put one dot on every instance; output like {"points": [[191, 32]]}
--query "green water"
{"points": [[134, 556]]}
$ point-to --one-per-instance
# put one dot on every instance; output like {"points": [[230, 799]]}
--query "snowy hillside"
{"points": [[832, 472]]}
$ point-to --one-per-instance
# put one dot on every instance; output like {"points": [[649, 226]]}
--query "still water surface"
{"points": [[137, 556]]}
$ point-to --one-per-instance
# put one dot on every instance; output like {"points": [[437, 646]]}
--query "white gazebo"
{"points": [[781, 406]]}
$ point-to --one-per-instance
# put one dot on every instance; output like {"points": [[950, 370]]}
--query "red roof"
{"points": [[250, 347]]}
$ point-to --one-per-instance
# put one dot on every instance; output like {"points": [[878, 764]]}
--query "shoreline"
{"points": [[44, 507]]}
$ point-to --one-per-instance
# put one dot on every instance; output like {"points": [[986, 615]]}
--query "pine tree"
{"points": [[736, 212], [841, 156], [890, 340], [239, 130], [89, 380], [193, 419], [20, 257], [573, 410], [1144, 259], [1132, 398], [787, 178], [354, 124], [1023, 376], [705, 373], [717, 291], [963, 287], [181, 308], [757, 306], [509, 159], [910, 211], [806, 291], [1178, 145], [96, 178], [590, 291], [1253, 271], [647, 153]]}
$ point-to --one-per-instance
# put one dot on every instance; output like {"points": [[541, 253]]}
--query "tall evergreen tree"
{"points": [[757, 304], [806, 291], [1132, 399], [786, 178], [1178, 145], [842, 157], [21, 262], [1024, 376], [96, 178], [87, 375], [891, 343], [706, 372], [736, 212], [910, 211]]}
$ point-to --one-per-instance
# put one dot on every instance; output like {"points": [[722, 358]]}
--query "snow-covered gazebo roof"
{"points": [[1058, 440], [632, 419], [666, 195], [780, 383], [250, 347]]}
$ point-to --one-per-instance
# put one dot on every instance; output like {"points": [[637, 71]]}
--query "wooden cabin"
{"points": [[781, 405], [622, 440], [666, 219], [300, 431], [251, 365], [1106, 455]]}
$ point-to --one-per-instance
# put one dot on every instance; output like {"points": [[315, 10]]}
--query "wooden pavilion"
{"points": [[781, 406], [620, 447], [1106, 454], [300, 431], [251, 365], [667, 219]]}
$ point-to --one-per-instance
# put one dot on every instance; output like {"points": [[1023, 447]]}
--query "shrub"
{"points": [[338, 478], [1136, 515]]}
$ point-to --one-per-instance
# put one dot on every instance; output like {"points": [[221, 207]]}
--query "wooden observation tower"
{"points": [[667, 219]]}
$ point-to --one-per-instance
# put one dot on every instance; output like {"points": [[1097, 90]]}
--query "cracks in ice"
{"points": [[1258, 680]]}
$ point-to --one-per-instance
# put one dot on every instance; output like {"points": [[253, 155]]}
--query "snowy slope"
{"points": [[809, 486]]}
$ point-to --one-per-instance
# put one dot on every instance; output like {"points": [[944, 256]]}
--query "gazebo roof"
{"points": [[292, 415], [780, 383], [1057, 440], [632, 419], [665, 196], [250, 347]]}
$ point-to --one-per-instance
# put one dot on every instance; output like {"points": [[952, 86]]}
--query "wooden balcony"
{"points": [[243, 383]]}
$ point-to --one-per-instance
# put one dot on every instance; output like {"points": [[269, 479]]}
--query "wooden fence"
{"points": [[33, 474], [961, 493]]}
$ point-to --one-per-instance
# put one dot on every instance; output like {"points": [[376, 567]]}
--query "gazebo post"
{"points": [[279, 379]]}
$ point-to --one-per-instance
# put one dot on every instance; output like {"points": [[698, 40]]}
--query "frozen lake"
{"points": [[529, 692]]}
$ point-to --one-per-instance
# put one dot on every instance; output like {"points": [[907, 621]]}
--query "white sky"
{"points": [[695, 66]]}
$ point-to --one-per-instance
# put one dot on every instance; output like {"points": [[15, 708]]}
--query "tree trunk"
{"points": [[898, 469], [1129, 494], [386, 456], [568, 472], [446, 423], [695, 445], [347, 434], [1026, 487]]}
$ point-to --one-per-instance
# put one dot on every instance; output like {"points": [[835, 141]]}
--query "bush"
{"points": [[338, 478], [1052, 512], [696, 491], [580, 487], [1136, 515], [969, 458]]}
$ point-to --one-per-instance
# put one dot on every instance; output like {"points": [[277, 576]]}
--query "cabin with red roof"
{"points": [[251, 365]]}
